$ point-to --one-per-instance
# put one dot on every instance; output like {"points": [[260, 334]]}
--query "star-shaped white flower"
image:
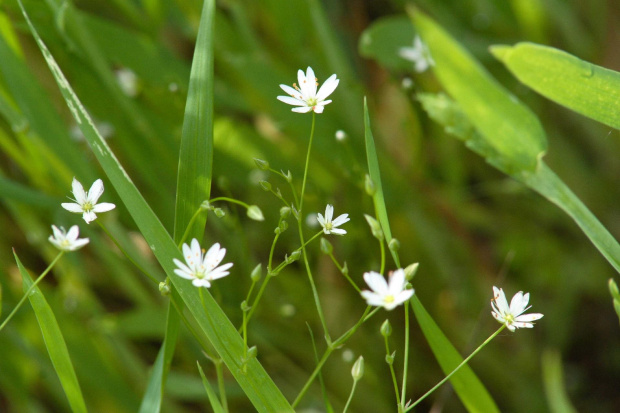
{"points": [[202, 269], [388, 295], [305, 95], [67, 241], [329, 226], [418, 54], [513, 316], [86, 204]]}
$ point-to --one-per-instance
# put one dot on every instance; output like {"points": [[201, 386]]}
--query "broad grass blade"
{"points": [[55, 342]]}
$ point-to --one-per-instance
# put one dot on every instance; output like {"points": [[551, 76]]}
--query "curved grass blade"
{"points": [[252, 378], [215, 402], [591, 90], [55, 342], [466, 384], [506, 124]]}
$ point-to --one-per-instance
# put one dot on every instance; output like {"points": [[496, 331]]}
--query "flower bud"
{"points": [[288, 176], [205, 206], [358, 369], [265, 185], [257, 273], [245, 307], [613, 289], [262, 165], [389, 358], [295, 212], [219, 212], [252, 352], [410, 271], [394, 245], [370, 186], [283, 226], [293, 257], [345, 269], [386, 328], [285, 212], [164, 288], [375, 227], [255, 213], [326, 246]]}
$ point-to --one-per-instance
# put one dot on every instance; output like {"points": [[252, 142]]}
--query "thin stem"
{"points": [[32, 287], [457, 367], [220, 383], [125, 253], [342, 271], [318, 368], [189, 226], [346, 406], [392, 372], [382, 256], [231, 200], [406, 361], [303, 184]]}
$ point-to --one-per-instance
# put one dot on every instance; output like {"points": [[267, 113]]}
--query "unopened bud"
{"points": [[288, 176], [613, 289], [411, 270], [293, 257], [257, 273], [255, 213], [164, 288], [394, 245], [205, 206], [358, 369], [252, 353], [375, 227], [245, 307], [295, 213], [389, 359], [265, 185], [285, 212], [345, 269], [386, 328], [219, 212], [262, 165], [370, 186], [326, 246], [283, 226]]}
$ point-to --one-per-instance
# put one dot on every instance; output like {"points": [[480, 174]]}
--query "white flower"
{"points": [[513, 316], [128, 81], [67, 241], [202, 269], [384, 294], [86, 204], [329, 226], [418, 54], [305, 95]]}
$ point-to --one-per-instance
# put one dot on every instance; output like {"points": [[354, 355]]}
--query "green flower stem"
{"points": [[303, 184], [29, 290], [392, 372], [464, 362], [189, 225], [406, 359], [346, 406], [219, 370], [125, 253], [290, 183], [273, 247], [231, 200], [345, 274], [381, 243], [330, 348]]}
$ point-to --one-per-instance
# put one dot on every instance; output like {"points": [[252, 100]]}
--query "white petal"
{"points": [[291, 101], [340, 220], [329, 213], [310, 82], [517, 304], [318, 108], [103, 207], [77, 244], [58, 233], [376, 282], [78, 191], [184, 274], [511, 328], [89, 216], [214, 256], [291, 91], [73, 233], [196, 251], [338, 231], [397, 282], [320, 218], [529, 317], [187, 252], [201, 283], [500, 300], [372, 298], [304, 109], [327, 88], [403, 296], [72, 207], [95, 191], [523, 325]]}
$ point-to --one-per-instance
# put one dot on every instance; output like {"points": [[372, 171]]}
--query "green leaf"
{"points": [[581, 86], [466, 384], [375, 176], [196, 154], [554, 383], [215, 402], [507, 125], [384, 38], [253, 379], [54, 342]]}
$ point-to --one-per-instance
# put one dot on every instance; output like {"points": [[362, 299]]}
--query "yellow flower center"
{"points": [[388, 299]]}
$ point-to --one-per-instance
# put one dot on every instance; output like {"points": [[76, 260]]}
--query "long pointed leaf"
{"points": [[255, 382], [54, 341]]}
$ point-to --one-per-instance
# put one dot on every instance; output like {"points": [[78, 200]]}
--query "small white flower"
{"points": [[128, 81], [513, 316], [341, 135], [305, 94], [384, 294], [86, 204], [418, 54], [67, 241], [202, 269], [329, 226]]}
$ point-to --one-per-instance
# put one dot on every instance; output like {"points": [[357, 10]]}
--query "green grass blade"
{"points": [[255, 381], [579, 85], [54, 341], [554, 383], [466, 384], [503, 121], [215, 402], [196, 154], [375, 176]]}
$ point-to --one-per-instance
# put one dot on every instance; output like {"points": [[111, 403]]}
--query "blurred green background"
{"points": [[469, 226]]}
